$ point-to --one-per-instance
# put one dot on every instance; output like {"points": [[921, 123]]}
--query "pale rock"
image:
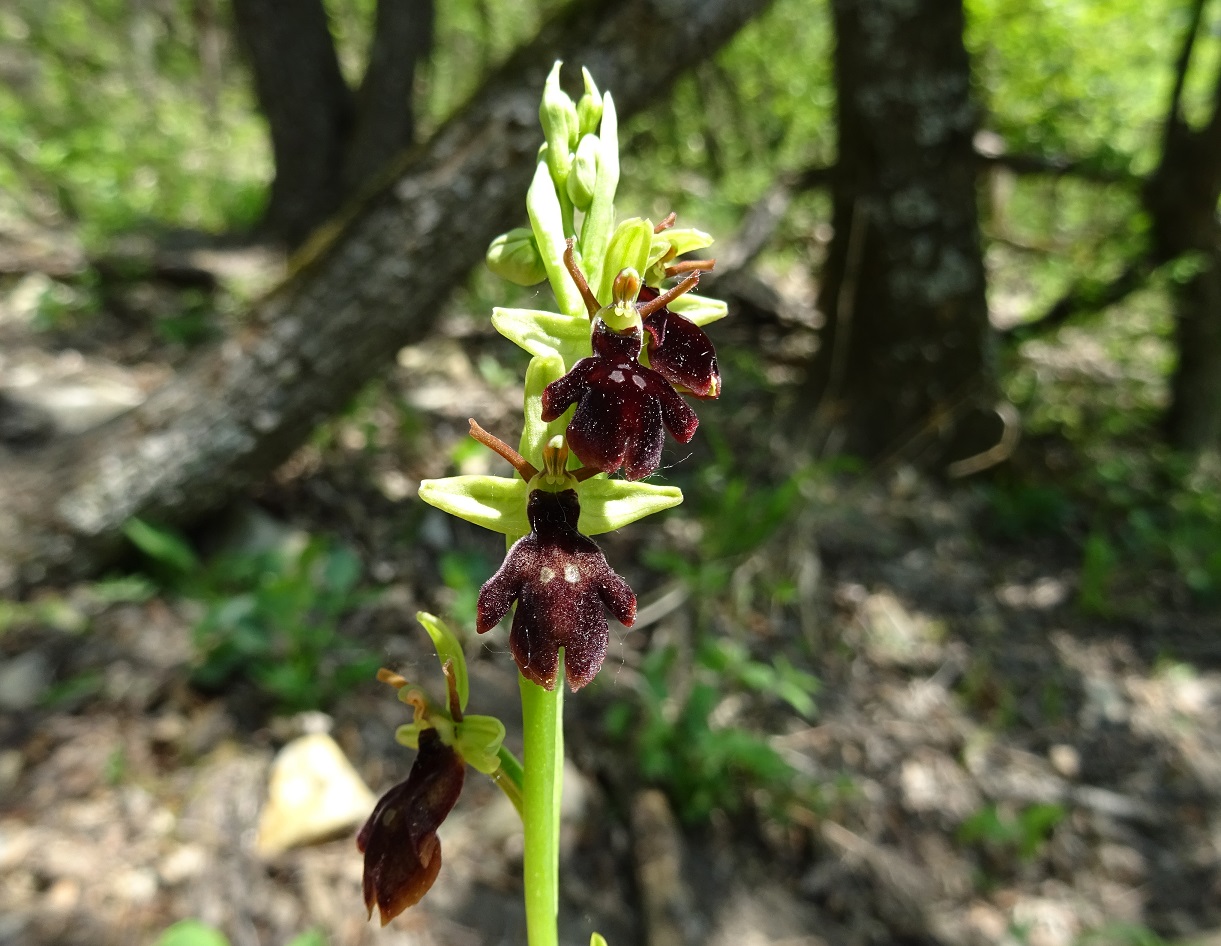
{"points": [[24, 680], [313, 794]]}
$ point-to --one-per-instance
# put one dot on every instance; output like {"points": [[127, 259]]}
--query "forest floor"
{"points": [[987, 763]]}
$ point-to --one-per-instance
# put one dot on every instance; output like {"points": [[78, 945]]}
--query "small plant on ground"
{"points": [[273, 617], [685, 744]]}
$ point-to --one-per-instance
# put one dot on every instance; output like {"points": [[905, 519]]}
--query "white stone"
{"points": [[313, 794]]}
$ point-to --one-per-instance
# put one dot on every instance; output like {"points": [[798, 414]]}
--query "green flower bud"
{"points": [[584, 173], [589, 108], [558, 114], [514, 256]]}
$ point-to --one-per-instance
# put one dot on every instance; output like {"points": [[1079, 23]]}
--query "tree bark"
{"points": [[374, 282], [903, 367], [308, 106], [1181, 199], [385, 117]]}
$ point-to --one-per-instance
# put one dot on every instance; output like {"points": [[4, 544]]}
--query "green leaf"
{"points": [[608, 504], [597, 939], [161, 544], [494, 502], [449, 648], [544, 334], [191, 933]]}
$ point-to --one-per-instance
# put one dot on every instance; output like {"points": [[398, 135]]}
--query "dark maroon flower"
{"points": [[399, 841], [679, 350], [622, 406], [560, 580]]}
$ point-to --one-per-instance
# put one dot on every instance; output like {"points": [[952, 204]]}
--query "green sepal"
{"points": [[545, 334], [535, 433], [589, 107], [409, 734], [547, 222], [583, 177], [514, 256], [494, 502], [658, 250], [607, 505], [448, 649], [702, 310], [600, 218], [597, 939], [629, 248], [686, 239], [478, 739]]}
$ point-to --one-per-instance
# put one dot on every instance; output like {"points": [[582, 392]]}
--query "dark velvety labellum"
{"points": [[561, 582], [680, 351], [399, 841], [623, 408]]}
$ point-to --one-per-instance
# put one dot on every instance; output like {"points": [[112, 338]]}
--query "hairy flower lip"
{"points": [[560, 580], [623, 408], [399, 840]]}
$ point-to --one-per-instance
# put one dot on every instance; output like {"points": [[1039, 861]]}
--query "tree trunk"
{"points": [[902, 369], [377, 284], [385, 116], [1181, 199], [308, 107]]}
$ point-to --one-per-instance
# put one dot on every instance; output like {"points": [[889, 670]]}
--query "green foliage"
{"points": [[1020, 509], [1006, 834], [196, 933], [110, 117], [710, 133], [192, 933], [464, 574], [1097, 574], [683, 744], [736, 514], [272, 617], [1076, 76]]}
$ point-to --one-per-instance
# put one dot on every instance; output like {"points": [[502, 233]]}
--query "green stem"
{"points": [[508, 778], [543, 758]]}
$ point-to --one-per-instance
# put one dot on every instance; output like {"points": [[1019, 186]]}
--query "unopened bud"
{"points": [[584, 173], [558, 114], [514, 256], [589, 108]]}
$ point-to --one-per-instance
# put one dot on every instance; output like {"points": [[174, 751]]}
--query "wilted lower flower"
{"points": [[399, 841], [560, 580]]}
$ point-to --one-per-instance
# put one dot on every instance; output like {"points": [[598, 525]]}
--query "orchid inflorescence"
{"points": [[609, 375]]}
